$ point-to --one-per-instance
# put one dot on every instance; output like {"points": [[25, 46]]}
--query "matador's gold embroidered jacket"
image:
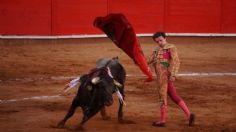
{"points": [[165, 57]]}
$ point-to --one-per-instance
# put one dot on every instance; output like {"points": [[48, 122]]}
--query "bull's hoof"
{"points": [[126, 121], [61, 125]]}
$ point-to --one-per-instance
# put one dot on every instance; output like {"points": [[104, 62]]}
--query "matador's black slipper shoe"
{"points": [[159, 124], [191, 119]]}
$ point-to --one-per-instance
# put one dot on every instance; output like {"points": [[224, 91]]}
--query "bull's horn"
{"points": [[95, 80]]}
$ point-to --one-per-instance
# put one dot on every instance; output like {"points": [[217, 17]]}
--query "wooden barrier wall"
{"points": [[75, 17]]}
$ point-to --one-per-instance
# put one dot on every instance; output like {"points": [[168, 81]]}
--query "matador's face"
{"points": [[161, 41]]}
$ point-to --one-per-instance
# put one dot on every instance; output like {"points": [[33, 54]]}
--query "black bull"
{"points": [[93, 97]]}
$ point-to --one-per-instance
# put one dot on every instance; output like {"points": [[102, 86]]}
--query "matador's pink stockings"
{"points": [[172, 93]]}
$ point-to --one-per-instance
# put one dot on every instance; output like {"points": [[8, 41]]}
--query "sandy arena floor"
{"points": [[33, 72]]}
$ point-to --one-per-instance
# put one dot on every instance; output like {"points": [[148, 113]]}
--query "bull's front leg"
{"points": [[104, 114], [88, 113], [70, 113], [120, 110]]}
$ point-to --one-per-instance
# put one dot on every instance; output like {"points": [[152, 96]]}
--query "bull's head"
{"points": [[104, 87]]}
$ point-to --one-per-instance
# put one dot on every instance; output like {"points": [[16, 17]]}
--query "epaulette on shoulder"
{"points": [[168, 46]]}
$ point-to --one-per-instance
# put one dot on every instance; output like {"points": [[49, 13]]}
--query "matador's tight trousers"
{"points": [[174, 97]]}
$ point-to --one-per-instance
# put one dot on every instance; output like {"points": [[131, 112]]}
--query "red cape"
{"points": [[121, 32]]}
